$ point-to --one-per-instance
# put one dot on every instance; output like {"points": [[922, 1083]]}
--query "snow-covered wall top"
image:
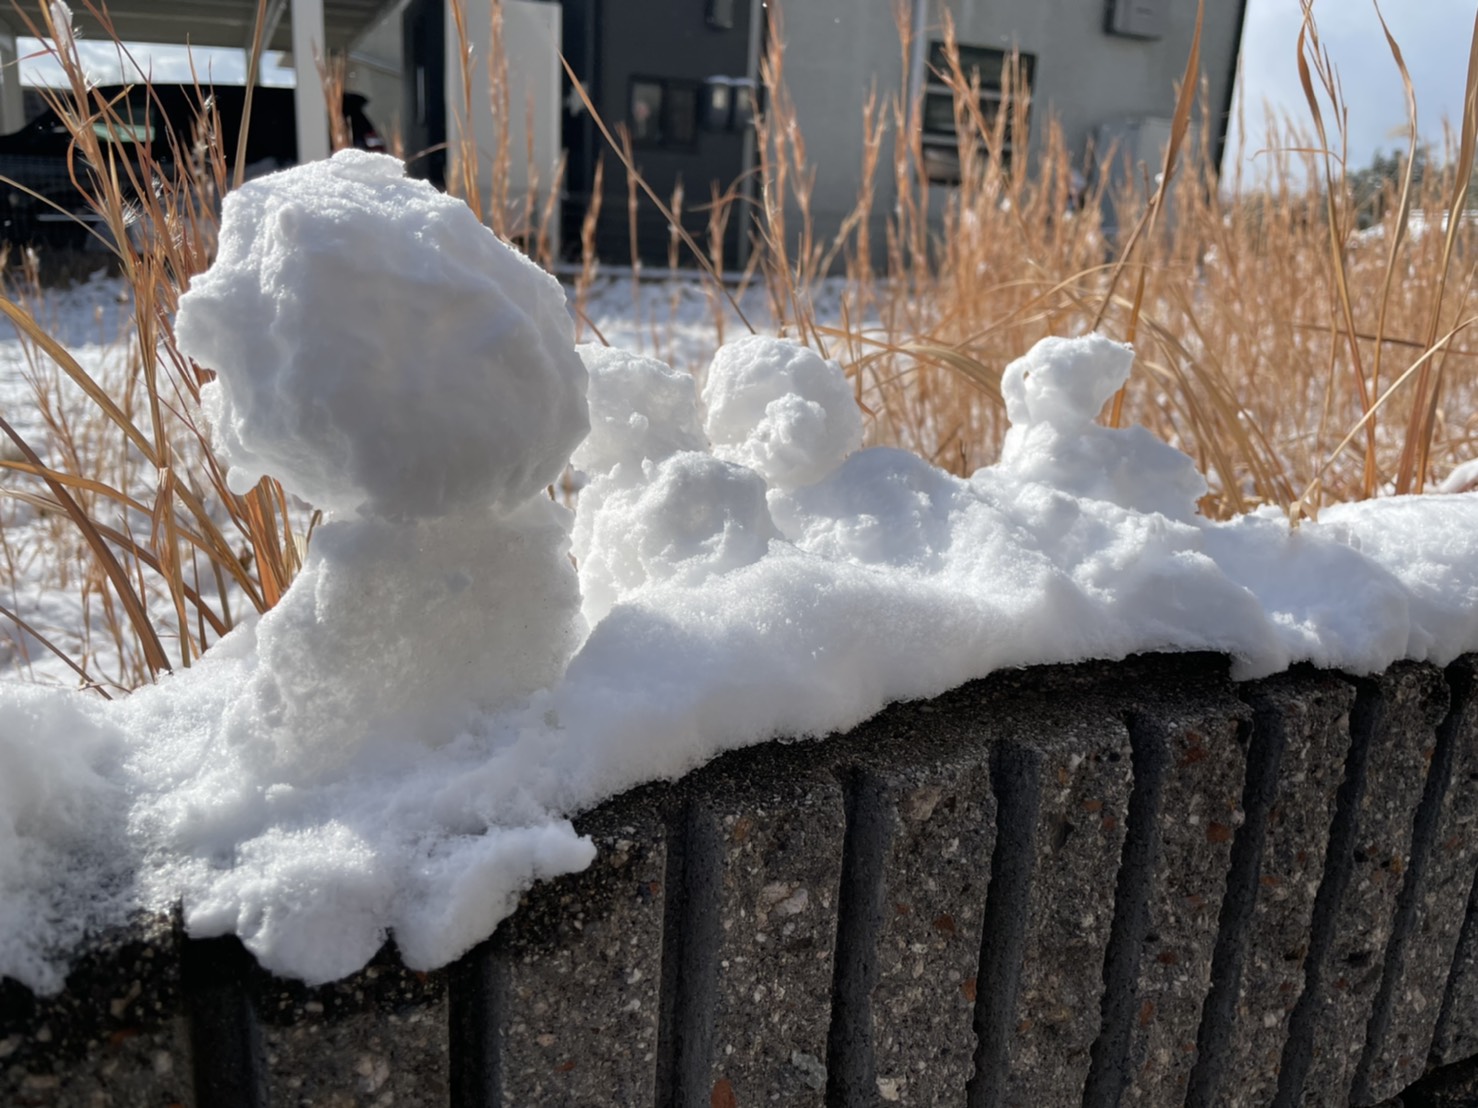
{"points": [[398, 744]]}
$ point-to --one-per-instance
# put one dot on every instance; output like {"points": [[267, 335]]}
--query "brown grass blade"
{"points": [[1416, 452], [154, 655], [87, 681]]}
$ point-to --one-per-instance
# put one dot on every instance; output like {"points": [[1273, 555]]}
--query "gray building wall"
{"points": [[12, 107], [1092, 81], [664, 40], [1084, 76]]}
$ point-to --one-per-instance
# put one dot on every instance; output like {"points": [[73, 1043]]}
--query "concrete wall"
{"points": [[836, 53], [1088, 77], [667, 40], [1132, 883]]}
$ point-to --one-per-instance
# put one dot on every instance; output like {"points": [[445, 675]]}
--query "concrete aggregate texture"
{"points": [[1135, 883]]}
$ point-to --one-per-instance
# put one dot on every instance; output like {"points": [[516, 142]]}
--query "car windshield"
{"points": [[130, 120]]}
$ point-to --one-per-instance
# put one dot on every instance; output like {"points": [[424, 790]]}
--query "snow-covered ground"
{"points": [[36, 582], [399, 745]]}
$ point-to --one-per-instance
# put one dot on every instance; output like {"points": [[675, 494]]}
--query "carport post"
{"points": [[312, 112], [12, 111]]}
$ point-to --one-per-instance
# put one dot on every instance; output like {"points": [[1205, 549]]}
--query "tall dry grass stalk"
{"points": [[155, 539], [1266, 327]]}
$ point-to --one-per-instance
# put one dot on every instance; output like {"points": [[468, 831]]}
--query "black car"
{"points": [[165, 119]]}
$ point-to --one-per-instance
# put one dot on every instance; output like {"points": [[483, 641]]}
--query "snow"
{"points": [[398, 746], [780, 409], [343, 314], [1462, 478]]}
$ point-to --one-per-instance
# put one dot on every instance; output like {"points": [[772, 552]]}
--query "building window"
{"points": [[663, 112], [990, 68], [720, 14]]}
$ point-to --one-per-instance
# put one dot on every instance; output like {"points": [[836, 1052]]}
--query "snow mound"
{"points": [[639, 409], [391, 633], [692, 518], [883, 507], [397, 747], [1053, 395], [346, 307], [60, 820], [781, 409]]}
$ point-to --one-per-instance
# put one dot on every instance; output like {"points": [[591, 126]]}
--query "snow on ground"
{"points": [[92, 321], [399, 745]]}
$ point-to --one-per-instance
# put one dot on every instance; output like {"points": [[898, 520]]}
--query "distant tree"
{"points": [[1378, 184]]}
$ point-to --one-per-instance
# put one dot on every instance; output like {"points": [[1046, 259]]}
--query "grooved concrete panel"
{"points": [[1200, 809], [1457, 1029], [113, 1038], [372, 1040], [935, 873], [1410, 701], [778, 870], [1091, 884], [1084, 776], [1314, 726], [1440, 895], [580, 969]]}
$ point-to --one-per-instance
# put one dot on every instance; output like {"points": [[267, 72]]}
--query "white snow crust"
{"points": [[398, 746]]}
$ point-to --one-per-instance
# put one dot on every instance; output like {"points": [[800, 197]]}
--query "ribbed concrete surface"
{"points": [[1103, 884]]}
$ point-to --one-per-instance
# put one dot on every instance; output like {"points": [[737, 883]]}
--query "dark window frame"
{"points": [[989, 63], [667, 124]]}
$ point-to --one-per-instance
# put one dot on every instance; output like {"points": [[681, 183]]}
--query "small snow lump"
{"points": [[640, 409], [780, 409]]}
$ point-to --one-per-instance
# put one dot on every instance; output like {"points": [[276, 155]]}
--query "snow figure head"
{"points": [[380, 350], [1053, 394], [639, 409], [780, 409], [692, 518]]}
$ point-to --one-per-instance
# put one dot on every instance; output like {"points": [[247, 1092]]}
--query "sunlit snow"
{"points": [[398, 746]]}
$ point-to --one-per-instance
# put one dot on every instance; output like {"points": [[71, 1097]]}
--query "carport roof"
{"points": [[227, 22]]}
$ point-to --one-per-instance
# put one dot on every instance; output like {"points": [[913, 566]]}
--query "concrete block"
{"points": [[1432, 906], [1305, 739], [577, 974], [1074, 778], [375, 1039], [752, 946], [1395, 715], [1453, 868], [921, 814], [113, 1039], [1198, 811], [1456, 1037]]}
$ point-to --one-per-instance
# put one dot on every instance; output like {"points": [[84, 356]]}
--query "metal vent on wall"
{"points": [[1137, 18]]}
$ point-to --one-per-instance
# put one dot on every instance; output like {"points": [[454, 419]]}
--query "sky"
{"points": [[1434, 35], [166, 64]]}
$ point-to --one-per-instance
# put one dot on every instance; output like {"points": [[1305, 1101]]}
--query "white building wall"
{"points": [[311, 108], [531, 35]]}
